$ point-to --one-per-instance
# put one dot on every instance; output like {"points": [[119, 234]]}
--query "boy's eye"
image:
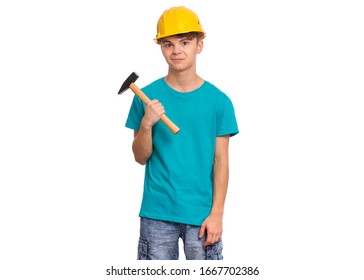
{"points": [[167, 45]]}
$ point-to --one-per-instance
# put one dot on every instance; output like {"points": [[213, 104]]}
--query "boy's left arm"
{"points": [[213, 223]]}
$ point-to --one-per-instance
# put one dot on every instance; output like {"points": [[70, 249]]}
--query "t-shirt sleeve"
{"points": [[136, 114], [226, 123]]}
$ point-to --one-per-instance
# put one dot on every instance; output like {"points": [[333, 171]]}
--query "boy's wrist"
{"points": [[146, 124], [217, 213]]}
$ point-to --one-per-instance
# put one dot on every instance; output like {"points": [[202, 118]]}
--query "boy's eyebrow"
{"points": [[179, 40]]}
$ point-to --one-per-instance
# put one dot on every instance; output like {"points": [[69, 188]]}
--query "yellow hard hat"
{"points": [[178, 20]]}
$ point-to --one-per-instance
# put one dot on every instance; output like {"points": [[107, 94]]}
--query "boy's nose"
{"points": [[176, 48]]}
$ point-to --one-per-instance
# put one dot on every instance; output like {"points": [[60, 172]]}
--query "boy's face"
{"points": [[180, 53]]}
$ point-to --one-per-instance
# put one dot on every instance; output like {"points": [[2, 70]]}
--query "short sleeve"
{"points": [[136, 114], [226, 123]]}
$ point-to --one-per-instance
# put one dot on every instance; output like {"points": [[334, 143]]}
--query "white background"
{"points": [[70, 190]]}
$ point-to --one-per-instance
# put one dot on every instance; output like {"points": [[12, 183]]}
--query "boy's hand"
{"points": [[213, 226], [154, 110]]}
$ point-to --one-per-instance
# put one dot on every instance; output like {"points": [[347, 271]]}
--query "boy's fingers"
{"points": [[202, 231]]}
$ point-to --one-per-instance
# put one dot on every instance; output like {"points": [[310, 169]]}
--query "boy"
{"points": [[186, 175]]}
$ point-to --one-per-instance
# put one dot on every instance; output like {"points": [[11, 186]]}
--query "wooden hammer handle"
{"points": [[138, 92]]}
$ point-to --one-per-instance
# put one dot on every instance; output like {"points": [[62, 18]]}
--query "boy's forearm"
{"points": [[213, 223], [142, 144], [221, 178]]}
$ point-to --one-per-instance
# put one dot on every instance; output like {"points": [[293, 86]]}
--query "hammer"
{"points": [[129, 83]]}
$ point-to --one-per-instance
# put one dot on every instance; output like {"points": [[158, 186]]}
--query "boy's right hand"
{"points": [[154, 110]]}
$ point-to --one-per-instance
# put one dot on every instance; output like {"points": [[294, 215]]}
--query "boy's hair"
{"points": [[188, 36]]}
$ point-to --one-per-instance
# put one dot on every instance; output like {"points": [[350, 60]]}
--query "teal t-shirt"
{"points": [[178, 183]]}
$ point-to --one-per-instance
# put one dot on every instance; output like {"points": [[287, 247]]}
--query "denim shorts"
{"points": [[159, 241]]}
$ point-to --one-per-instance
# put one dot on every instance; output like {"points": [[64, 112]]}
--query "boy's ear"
{"points": [[199, 46]]}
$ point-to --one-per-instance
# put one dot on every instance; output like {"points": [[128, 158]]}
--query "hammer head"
{"points": [[131, 79]]}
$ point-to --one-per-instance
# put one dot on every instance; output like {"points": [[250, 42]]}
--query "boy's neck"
{"points": [[183, 82]]}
